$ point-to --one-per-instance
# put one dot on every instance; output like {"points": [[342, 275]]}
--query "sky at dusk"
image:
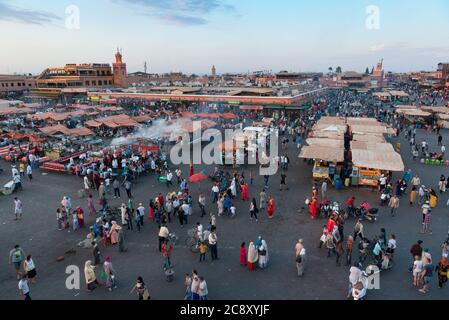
{"points": [[234, 35]]}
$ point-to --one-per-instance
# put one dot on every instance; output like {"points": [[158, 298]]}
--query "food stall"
{"points": [[372, 159], [328, 156]]}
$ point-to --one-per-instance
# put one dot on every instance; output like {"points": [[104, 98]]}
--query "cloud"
{"points": [[182, 20], [377, 48], [183, 12], [11, 13]]}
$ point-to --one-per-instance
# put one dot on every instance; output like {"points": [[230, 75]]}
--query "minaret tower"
{"points": [[119, 68]]}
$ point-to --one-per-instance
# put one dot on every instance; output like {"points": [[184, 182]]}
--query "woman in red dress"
{"points": [[245, 194], [243, 254], [270, 208], [313, 207]]}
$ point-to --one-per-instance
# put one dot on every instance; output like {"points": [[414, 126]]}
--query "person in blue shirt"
{"points": [[298, 141]]}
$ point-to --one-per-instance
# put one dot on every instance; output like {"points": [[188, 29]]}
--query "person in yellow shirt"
{"points": [[203, 251], [22, 169]]}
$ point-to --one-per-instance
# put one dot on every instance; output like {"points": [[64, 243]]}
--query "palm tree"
{"points": [[338, 70]]}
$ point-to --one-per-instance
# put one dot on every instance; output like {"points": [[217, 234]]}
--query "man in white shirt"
{"points": [[199, 231], [17, 208], [215, 193], [29, 172], [443, 150], [382, 182], [169, 178], [213, 244], [14, 171], [24, 289]]}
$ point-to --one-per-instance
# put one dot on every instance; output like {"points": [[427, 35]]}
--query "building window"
{"points": [[19, 84], [12, 84], [29, 84], [99, 82], [102, 73], [23, 84], [7, 84], [87, 83], [94, 83], [110, 82], [3, 85]]}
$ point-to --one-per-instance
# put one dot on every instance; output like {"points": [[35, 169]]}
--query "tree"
{"points": [[338, 70], [367, 70]]}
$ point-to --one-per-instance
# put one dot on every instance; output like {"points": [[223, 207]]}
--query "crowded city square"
{"points": [[224, 158], [357, 183]]}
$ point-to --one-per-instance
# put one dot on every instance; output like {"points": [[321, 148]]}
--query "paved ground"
{"points": [[226, 279]]}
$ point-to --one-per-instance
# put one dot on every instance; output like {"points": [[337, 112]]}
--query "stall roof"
{"points": [[325, 142], [368, 137], [398, 93], [436, 109], [61, 129], [382, 94], [369, 129], [374, 159], [413, 112], [364, 121], [14, 110], [322, 153], [372, 145], [331, 120], [338, 129], [443, 116], [143, 118], [93, 123]]}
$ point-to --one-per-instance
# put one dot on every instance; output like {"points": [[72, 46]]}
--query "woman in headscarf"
{"points": [[442, 268], [113, 232], [89, 274], [258, 242], [141, 289], [110, 274], [263, 254], [354, 277], [270, 208], [245, 194], [65, 204], [123, 214], [151, 208], [253, 256], [80, 216]]}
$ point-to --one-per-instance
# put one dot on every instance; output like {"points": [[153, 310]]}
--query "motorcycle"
{"points": [[366, 212]]}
